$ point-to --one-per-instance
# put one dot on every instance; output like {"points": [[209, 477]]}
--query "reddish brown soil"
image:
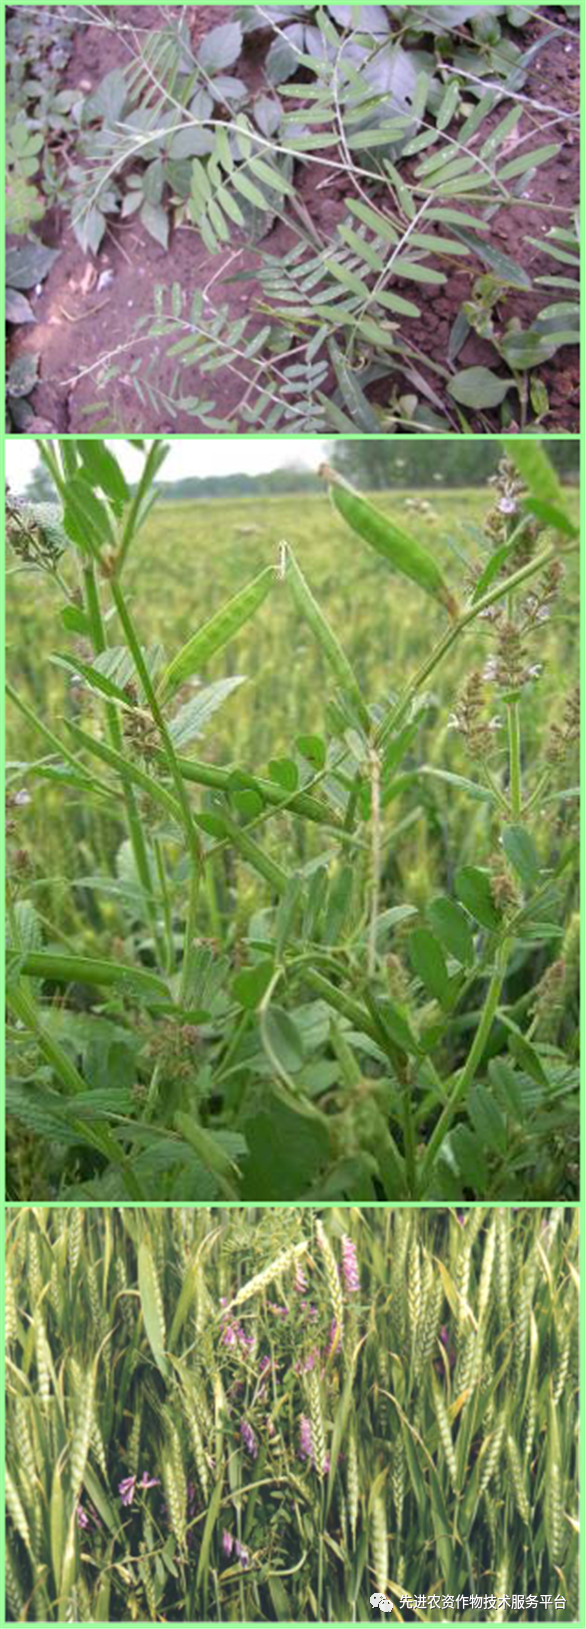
{"points": [[71, 334]]}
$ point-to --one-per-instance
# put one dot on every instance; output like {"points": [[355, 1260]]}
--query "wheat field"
{"points": [[272, 1414]]}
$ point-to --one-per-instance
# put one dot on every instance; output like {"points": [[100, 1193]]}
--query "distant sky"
{"points": [[205, 457]]}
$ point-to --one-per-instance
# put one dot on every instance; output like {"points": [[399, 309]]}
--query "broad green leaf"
{"points": [[282, 1041], [250, 985], [487, 1119], [428, 962], [220, 48], [474, 890], [479, 387], [103, 468], [521, 853], [526, 1055], [506, 1082], [452, 927], [26, 266], [288, 1148], [156, 220], [85, 517]]}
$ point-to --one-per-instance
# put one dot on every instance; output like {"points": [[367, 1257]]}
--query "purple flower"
{"points": [[309, 1362], [82, 1517], [333, 1340], [280, 1312], [249, 1439], [242, 1553], [126, 1489], [300, 1281], [265, 1363], [227, 1542], [305, 1438], [147, 1481], [235, 1335], [350, 1265]]}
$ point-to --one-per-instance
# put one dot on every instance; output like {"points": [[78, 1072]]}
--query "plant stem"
{"points": [[135, 831], [375, 858], [515, 760], [473, 1060], [190, 829]]}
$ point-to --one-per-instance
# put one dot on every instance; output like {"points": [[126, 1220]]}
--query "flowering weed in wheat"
{"points": [[252, 1468]]}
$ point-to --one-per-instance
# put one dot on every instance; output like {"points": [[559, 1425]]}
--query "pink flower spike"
{"points": [[147, 1481], [350, 1266], [305, 1439]]}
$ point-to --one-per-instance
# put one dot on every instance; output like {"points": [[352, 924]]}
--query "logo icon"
{"points": [[381, 1601]]}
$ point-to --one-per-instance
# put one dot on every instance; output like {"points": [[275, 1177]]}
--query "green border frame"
{"points": [[220, 5]]}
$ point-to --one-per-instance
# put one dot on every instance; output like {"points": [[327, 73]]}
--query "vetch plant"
{"points": [[395, 104], [268, 1012], [157, 1471]]}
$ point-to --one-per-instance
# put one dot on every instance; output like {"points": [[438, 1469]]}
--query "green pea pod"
{"points": [[217, 632], [398, 548]]}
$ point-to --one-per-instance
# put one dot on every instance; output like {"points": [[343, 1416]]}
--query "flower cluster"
{"points": [[235, 1335], [506, 517], [231, 1545], [129, 1484], [469, 719], [350, 1266], [509, 668], [563, 736], [85, 1518], [35, 533], [249, 1439]]}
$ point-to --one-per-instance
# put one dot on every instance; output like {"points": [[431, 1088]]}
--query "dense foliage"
{"points": [[261, 1415], [417, 115], [337, 956]]}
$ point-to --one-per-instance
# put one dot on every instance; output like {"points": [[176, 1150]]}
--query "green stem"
{"points": [[190, 927], [516, 795], [409, 1138], [167, 913], [473, 1060], [191, 834], [135, 831]]}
